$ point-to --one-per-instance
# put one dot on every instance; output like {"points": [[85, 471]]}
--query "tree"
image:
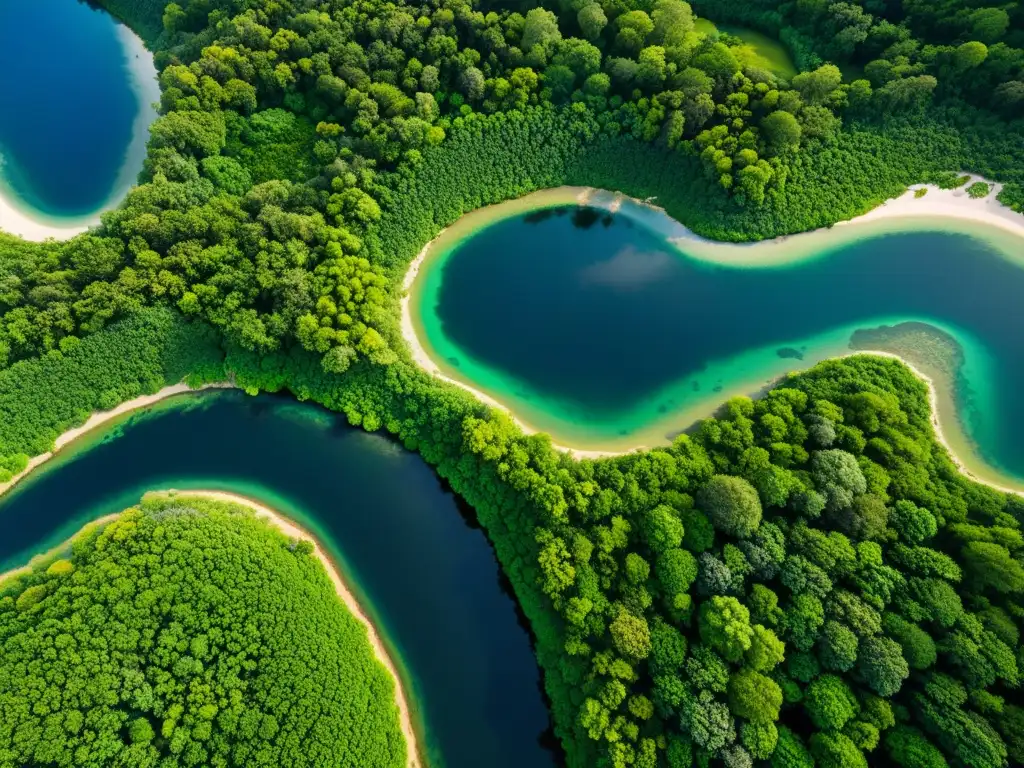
{"points": [[914, 524], [990, 565], [836, 750], [838, 476], [725, 626], [818, 86], [631, 635], [881, 665], [790, 752], [592, 20], [908, 747], [837, 647], [917, 646], [754, 697], [540, 33], [732, 505], [661, 528], [829, 702], [782, 132], [760, 739]]}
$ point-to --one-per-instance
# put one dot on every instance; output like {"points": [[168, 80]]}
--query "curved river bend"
{"points": [[598, 329], [426, 576], [75, 121]]}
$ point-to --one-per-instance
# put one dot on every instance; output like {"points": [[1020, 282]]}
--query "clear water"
{"points": [[424, 571], [592, 327], [68, 107]]}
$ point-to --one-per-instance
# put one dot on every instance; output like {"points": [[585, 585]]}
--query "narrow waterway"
{"points": [[426, 575]]}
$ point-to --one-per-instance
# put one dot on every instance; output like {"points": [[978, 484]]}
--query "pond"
{"points": [[74, 121], [425, 574], [595, 328]]}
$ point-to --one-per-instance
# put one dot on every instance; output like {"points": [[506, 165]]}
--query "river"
{"points": [[424, 572], [591, 326]]}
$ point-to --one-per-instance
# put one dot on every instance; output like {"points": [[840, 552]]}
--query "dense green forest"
{"points": [[188, 632], [805, 580]]}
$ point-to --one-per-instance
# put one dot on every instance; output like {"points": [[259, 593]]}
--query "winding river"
{"points": [[423, 571], [74, 118], [611, 330]]}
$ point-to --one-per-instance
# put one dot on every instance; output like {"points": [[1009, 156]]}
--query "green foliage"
{"points": [[216, 680], [306, 153], [44, 397], [829, 702], [732, 505]]}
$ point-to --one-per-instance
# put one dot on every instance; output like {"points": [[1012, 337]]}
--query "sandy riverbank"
{"points": [[291, 529], [951, 209], [101, 417], [18, 218]]}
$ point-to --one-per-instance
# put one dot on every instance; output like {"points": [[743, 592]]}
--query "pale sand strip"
{"points": [[291, 529], [23, 221], [101, 417]]}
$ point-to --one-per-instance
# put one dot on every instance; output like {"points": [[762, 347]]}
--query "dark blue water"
{"points": [[66, 105], [592, 308], [425, 574]]}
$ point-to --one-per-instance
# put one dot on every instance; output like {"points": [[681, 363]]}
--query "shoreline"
{"points": [[14, 573], [933, 410], [907, 209], [98, 418], [293, 530], [22, 220]]}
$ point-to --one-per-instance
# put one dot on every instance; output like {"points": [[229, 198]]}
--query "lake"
{"points": [[591, 326], [421, 568], [74, 121]]}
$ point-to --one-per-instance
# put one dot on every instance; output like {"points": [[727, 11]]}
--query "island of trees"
{"points": [[188, 632], [806, 580]]}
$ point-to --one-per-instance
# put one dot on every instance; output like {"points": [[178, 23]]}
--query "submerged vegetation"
{"points": [[806, 580], [188, 632]]}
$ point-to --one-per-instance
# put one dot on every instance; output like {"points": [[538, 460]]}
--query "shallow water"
{"points": [[73, 118], [590, 326], [425, 574]]}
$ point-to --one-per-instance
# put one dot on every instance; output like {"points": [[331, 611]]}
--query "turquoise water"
{"points": [[70, 109], [418, 562], [593, 328]]}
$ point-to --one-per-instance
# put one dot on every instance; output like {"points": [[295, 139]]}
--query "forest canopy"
{"points": [[805, 580]]}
